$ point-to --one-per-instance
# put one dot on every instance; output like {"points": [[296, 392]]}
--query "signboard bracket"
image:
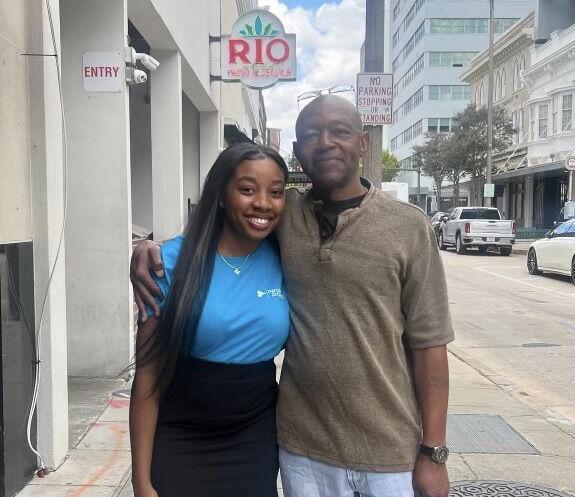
{"points": [[215, 77], [215, 39]]}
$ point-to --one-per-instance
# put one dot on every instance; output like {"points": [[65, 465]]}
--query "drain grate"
{"points": [[500, 489], [484, 434]]}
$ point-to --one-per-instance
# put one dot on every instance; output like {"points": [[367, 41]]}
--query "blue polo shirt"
{"points": [[245, 318]]}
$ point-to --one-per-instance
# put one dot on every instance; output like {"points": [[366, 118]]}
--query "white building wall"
{"points": [[98, 231], [433, 9], [550, 78], [15, 215], [141, 157], [191, 152]]}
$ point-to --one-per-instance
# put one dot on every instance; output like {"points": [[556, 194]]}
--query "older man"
{"points": [[364, 386]]}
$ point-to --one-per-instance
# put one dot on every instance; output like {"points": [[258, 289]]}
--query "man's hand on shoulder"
{"points": [[429, 478], [145, 258]]}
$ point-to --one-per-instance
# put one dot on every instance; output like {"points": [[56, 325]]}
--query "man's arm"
{"points": [[145, 258], [431, 375]]}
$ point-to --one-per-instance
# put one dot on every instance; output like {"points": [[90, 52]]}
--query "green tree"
{"points": [[389, 166], [470, 134], [293, 164], [430, 158]]}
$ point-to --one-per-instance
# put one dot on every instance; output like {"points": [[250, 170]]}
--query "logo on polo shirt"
{"points": [[271, 293]]}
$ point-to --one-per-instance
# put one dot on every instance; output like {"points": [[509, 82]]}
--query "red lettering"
{"points": [[108, 72], [259, 59], [284, 57], [238, 48], [86, 72], [94, 72], [115, 69]]}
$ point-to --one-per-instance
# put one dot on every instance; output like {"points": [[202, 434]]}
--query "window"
{"points": [[414, 40], [410, 75], [515, 119], [469, 26], [409, 134], [451, 59], [492, 214], [497, 86], [563, 228], [440, 125], [396, 38], [503, 91], [571, 230], [567, 113], [532, 123], [412, 13], [448, 92], [522, 67], [502, 25], [482, 94], [516, 77], [543, 120], [554, 111], [411, 103], [395, 64]]}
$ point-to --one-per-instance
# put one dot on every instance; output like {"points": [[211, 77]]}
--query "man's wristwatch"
{"points": [[437, 454]]}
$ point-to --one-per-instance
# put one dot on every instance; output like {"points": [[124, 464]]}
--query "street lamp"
{"points": [[490, 101]]}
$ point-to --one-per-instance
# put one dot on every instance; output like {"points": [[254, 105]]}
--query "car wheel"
{"points": [[573, 270], [532, 266], [505, 251], [459, 247], [442, 245]]}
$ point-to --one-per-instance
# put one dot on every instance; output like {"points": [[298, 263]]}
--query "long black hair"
{"points": [[193, 271]]}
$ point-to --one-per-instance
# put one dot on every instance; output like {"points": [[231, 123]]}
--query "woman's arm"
{"points": [[143, 414]]}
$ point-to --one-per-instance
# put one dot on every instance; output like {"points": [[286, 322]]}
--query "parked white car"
{"points": [[555, 253]]}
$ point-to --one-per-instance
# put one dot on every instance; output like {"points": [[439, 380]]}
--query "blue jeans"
{"points": [[304, 477]]}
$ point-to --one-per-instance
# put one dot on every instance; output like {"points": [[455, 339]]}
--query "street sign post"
{"points": [[489, 190], [374, 98]]}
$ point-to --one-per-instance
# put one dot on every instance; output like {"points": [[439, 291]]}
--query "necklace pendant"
{"points": [[237, 271]]}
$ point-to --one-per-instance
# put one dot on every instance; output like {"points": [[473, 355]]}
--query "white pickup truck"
{"points": [[480, 227]]}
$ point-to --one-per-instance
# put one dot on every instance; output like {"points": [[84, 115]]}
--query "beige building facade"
{"points": [[512, 56]]}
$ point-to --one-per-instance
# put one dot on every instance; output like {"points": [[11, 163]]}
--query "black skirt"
{"points": [[216, 431]]}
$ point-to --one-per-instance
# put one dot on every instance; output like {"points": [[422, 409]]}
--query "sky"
{"points": [[329, 36]]}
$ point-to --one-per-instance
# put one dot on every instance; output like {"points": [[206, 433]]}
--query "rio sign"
{"points": [[258, 52]]}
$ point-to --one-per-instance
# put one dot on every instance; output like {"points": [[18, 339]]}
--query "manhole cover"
{"points": [[501, 489], [484, 434]]}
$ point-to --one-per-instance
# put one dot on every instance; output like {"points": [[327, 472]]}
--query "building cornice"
{"points": [[515, 39], [549, 64]]}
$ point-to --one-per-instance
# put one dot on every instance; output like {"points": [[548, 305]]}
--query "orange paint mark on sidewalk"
{"points": [[119, 403], [119, 432]]}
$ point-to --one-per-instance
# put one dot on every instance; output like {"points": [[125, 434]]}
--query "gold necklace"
{"points": [[237, 269]]}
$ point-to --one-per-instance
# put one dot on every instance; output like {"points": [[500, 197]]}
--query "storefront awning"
{"points": [[550, 169]]}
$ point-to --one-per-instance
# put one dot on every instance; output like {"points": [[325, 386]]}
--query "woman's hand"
{"points": [[144, 490], [145, 258]]}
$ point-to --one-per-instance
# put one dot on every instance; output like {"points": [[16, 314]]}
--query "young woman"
{"points": [[202, 412]]}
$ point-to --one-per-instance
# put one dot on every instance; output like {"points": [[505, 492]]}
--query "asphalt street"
{"points": [[515, 328]]}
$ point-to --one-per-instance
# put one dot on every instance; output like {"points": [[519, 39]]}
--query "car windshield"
{"points": [[480, 214]]}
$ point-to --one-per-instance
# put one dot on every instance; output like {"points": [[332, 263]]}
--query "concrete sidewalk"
{"points": [[99, 466]]}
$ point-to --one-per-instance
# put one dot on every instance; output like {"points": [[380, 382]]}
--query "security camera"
{"points": [[148, 61], [132, 57], [135, 76], [140, 77]]}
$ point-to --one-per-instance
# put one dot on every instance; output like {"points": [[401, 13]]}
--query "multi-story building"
{"points": [[534, 83], [512, 56], [432, 42]]}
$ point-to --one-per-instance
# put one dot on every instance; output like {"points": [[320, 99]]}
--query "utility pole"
{"points": [[374, 50], [490, 99]]}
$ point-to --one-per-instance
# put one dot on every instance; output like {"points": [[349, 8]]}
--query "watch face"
{"points": [[441, 454]]}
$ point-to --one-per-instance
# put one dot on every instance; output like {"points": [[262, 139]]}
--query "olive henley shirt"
{"points": [[360, 300]]}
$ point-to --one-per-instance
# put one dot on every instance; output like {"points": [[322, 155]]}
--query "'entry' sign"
{"points": [[374, 98], [103, 72]]}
